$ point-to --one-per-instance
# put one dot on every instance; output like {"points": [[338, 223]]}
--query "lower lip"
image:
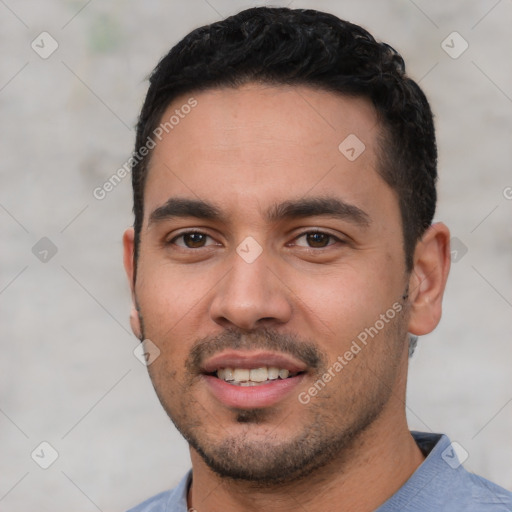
{"points": [[252, 397]]}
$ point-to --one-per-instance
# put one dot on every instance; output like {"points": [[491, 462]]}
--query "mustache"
{"points": [[263, 338]]}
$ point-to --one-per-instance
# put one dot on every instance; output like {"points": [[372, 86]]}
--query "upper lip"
{"points": [[251, 360]]}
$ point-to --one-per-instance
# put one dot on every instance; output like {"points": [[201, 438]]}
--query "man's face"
{"points": [[265, 245]]}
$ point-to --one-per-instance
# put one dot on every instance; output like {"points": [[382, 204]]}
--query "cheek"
{"points": [[163, 303], [346, 301], [166, 293], [174, 305]]}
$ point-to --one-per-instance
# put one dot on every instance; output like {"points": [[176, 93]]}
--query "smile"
{"points": [[253, 377], [248, 380]]}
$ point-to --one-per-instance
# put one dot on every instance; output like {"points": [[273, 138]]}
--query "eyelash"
{"points": [[304, 233]]}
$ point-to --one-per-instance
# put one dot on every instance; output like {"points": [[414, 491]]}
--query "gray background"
{"points": [[68, 373]]}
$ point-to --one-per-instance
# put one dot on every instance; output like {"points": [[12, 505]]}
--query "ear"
{"points": [[428, 279], [129, 266]]}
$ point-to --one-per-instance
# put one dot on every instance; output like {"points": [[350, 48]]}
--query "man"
{"points": [[282, 259]]}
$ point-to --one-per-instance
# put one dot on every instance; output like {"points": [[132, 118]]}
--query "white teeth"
{"points": [[273, 373], [283, 374], [254, 376], [259, 374], [241, 374], [225, 374]]}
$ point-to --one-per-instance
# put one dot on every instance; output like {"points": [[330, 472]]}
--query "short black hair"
{"points": [[281, 46]]}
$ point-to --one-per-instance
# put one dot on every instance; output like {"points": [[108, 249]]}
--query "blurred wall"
{"points": [[72, 79]]}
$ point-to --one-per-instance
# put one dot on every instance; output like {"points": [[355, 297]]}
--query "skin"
{"points": [[246, 150]]}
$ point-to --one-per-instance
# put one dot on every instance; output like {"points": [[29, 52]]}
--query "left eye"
{"points": [[192, 240], [316, 239]]}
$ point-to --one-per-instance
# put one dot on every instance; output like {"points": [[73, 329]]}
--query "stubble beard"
{"points": [[328, 436]]}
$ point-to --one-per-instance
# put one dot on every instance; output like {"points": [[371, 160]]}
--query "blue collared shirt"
{"points": [[440, 484]]}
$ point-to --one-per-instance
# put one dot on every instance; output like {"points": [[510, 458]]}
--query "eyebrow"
{"points": [[287, 210]]}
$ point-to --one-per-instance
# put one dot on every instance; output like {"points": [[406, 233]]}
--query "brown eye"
{"points": [[318, 239], [315, 240], [194, 240], [191, 240]]}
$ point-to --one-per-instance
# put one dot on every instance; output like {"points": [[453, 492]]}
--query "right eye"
{"points": [[191, 240]]}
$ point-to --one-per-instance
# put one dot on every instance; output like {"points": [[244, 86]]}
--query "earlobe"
{"points": [[128, 259], [135, 322], [428, 279]]}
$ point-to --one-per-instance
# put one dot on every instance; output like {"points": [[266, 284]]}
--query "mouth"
{"points": [[253, 377], [252, 380]]}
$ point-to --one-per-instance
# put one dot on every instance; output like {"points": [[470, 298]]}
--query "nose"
{"points": [[251, 295]]}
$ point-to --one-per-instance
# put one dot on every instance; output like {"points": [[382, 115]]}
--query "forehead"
{"points": [[261, 144]]}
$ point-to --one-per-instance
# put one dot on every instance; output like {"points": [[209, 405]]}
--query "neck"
{"points": [[378, 463]]}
